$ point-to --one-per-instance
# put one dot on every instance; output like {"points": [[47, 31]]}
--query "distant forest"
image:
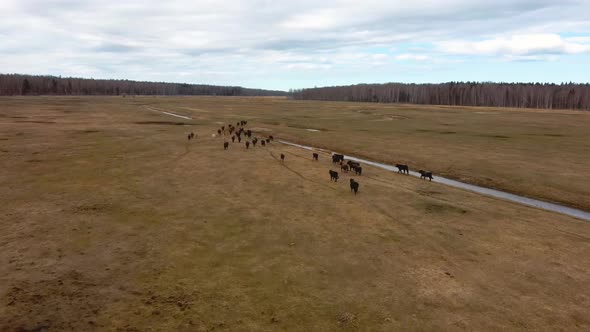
{"points": [[521, 95], [22, 85]]}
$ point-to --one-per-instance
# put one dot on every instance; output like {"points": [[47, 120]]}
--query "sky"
{"points": [[298, 43]]}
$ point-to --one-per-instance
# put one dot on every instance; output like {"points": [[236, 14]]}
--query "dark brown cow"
{"points": [[425, 174], [358, 170], [233, 139], [333, 176], [225, 145], [247, 144], [315, 156], [401, 168], [344, 168], [282, 157], [354, 186], [263, 143]]}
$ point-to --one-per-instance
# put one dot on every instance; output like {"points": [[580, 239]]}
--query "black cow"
{"points": [[358, 170], [333, 176], [354, 186], [239, 139], [247, 144], [219, 132], [425, 174], [254, 141], [271, 138], [233, 139], [268, 140], [225, 145], [222, 128], [352, 164], [344, 168], [337, 157], [189, 137], [401, 168], [315, 156], [263, 143], [282, 157]]}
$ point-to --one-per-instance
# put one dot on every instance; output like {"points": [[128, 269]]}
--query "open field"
{"points": [[111, 220]]}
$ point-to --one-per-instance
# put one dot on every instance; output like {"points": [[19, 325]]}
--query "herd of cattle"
{"points": [[237, 131]]}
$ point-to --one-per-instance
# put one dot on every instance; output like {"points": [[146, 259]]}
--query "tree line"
{"points": [[23, 85], [520, 95]]}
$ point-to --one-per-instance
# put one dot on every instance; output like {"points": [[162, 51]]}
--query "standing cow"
{"points": [[315, 156], [225, 145]]}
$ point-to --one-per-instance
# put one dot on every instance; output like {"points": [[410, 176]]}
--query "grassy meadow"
{"points": [[112, 220]]}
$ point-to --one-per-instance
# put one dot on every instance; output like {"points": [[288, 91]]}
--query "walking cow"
{"points": [[354, 186], [333, 176], [425, 174], [401, 168]]}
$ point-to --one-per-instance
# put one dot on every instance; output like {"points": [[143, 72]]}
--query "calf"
{"points": [[401, 168], [315, 156], [358, 170], [247, 144], [225, 145], [425, 174], [354, 186], [344, 168], [282, 157], [333, 176]]}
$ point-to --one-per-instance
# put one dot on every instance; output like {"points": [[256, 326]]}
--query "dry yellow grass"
{"points": [[110, 220]]}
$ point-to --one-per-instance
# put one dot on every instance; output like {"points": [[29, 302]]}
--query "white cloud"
{"points": [[411, 56], [517, 45]]}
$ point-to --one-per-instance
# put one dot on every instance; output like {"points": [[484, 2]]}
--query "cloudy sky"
{"points": [[298, 43]]}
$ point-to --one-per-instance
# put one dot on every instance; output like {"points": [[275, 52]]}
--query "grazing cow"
{"points": [[249, 133], [268, 140], [222, 128], [254, 142], [401, 168], [219, 132], [263, 143], [247, 144], [271, 138], [315, 156], [425, 174], [344, 168], [233, 139], [282, 157], [225, 145], [239, 139], [354, 186], [358, 170], [333, 176]]}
